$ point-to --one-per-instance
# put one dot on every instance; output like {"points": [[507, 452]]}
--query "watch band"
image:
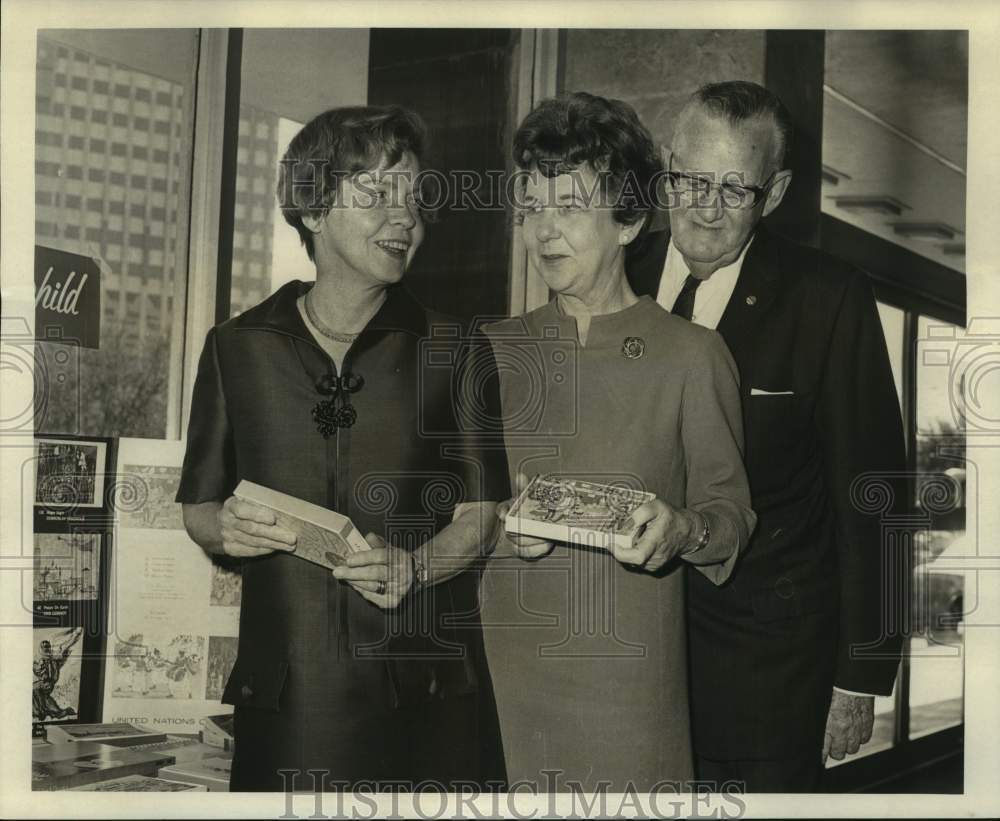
{"points": [[419, 573], [706, 534]]}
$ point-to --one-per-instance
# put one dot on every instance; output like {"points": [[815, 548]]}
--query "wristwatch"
{"points": [[419, 573], [706, 534]]}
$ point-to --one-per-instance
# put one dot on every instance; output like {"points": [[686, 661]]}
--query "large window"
{"points": [[319, 69], [113, 137], [936, 646]]}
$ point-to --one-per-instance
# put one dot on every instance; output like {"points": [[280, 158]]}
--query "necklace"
{"points": [[326, 330]]}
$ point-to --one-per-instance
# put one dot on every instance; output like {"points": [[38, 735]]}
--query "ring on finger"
{"points": [[380, 589]]}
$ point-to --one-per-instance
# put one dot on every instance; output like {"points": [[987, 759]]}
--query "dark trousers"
{"points": [[801, 774]]}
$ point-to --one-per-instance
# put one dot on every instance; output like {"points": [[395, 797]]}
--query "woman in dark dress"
{"points": [[322, 392], [586, 645]]}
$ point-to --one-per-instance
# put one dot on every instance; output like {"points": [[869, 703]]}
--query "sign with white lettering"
{"points": [[67, 298]]}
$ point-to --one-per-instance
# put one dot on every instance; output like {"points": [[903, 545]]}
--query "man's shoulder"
{"points": [[808, 269]]}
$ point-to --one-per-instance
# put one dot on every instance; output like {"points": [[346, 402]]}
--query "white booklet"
{"points": [[325, 537], [576, 511]]}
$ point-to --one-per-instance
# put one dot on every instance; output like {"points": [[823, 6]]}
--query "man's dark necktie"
{"points": [[684, 304]]}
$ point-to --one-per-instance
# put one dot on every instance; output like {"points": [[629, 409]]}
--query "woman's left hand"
{"points": [[383, 575], [668, 532]]}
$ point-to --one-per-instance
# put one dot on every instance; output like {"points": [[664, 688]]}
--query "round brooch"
{"points": [[633, 347]]}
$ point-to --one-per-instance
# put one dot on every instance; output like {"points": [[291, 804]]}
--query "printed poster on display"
{"points": [[173, 611], [56, 674]]}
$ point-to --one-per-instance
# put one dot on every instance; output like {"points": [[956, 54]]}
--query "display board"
{"points": [[73, 492], [173, 615]]}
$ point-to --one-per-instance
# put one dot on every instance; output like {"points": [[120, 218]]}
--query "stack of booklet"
{"points": [[182, 748], [76, 764], [120, 734], [211, 773], [127, 760]]}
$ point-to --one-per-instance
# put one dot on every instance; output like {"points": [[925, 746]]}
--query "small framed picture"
{"points": [[72, 481], [56, 674], [67, 566], [70, 473]]}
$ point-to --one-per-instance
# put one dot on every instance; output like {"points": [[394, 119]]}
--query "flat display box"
{"points": [[576, 511]]}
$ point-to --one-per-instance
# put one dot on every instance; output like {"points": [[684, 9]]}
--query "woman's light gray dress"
{"points": [[588, 656]]}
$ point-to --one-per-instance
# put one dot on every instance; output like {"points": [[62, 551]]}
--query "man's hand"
{"points": [[383, 575], [249, 529], [848, 724], [524, 547], [668, 532]]}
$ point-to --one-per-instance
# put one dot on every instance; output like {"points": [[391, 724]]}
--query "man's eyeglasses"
{"points": [[702, 190]]}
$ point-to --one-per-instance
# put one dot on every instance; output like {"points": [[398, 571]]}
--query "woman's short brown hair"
{"points": [[565, 132], [336, 144]]}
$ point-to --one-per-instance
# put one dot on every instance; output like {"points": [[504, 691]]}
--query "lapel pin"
{"points": [[751, 300], [633, 347]]}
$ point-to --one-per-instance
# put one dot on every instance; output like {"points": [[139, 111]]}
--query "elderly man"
{"points": [[787, 657]]}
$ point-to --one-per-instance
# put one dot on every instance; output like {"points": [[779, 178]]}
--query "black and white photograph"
{"points": [[70, 473], [67, 566], [648, 352]]}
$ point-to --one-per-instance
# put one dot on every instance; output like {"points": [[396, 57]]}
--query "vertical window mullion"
{"points": [[227, 190], [901, 729], [206, 183]]}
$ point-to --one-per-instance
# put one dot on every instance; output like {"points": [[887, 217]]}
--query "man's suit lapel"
{"points": [[756, 288]]}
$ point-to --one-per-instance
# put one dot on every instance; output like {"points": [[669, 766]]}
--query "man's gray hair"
{"points": [[739, 100]]}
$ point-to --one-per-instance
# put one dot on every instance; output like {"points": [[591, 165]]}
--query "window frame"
{"points": [[106, 142], [199, 315]]}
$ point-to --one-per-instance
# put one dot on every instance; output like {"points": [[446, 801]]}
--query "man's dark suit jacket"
{"points": [[768, 646]]}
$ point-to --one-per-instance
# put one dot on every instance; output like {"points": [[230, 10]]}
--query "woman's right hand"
{"points": [[525, 547], [249, 529]]}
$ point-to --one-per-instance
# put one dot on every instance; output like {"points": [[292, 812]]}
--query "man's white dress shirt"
{"points": [[713, 294]]}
